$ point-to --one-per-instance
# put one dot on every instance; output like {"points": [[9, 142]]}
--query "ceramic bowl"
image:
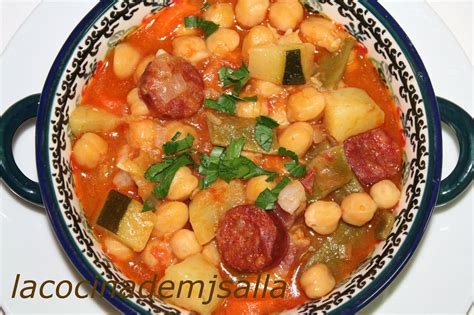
{"points": [[391, 52]]}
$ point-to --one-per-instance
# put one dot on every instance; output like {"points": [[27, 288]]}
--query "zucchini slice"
{"points": [[286, 64], [293, 74], [123, 216]]}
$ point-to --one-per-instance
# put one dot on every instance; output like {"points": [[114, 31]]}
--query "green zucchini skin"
{"points": [[113, 211], [293, 73]]}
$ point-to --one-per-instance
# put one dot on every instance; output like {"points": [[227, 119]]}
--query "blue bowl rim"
{"points": [[363, 297]]}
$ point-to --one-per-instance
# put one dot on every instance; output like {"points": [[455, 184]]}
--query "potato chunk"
{"points": [[135, 227], [90, 119], [351, 111], [210, 204], [189, 284]]}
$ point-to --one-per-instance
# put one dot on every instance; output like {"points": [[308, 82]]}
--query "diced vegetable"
{"points": [[351, 111], [351, 187], [190, 281], [90, 119], [223, 128], [385, 225], [314, 152], [123, 216], [331, 171], [209, 205], [113, 211], [289, 64], [293, 74], [337, 247], [331, 67]]}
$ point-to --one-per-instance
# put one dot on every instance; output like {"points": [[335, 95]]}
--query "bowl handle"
{"points": [[10, 121], [463, 125]]}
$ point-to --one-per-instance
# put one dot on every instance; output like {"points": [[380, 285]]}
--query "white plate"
{"points": [[437, 280]]}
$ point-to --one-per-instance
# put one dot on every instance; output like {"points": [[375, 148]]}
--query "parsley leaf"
{"points": [[267, 198], [236, 78], [264, 132], [205, 6], [207, 27], [164, 172], [224, 104], [173, 146], [228, 164], [227, 103], [294, 168]]}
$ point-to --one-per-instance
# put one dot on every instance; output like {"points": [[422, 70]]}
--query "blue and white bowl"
{"points": [[397, 62]]}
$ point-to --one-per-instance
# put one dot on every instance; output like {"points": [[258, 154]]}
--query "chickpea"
{"points": [[176, 126], [385, 194], [307, 104], [258, 35], [142, 133], [322, 32], [358, 209], [191, 48], [142, 66], [223, 41], [137, 106], [323, 216], [221, 14], [125, 62], [255, 186], [286, 14], [170, 217], [250, 109], [292, 197], [251, 12], [211, 254], [184, 243], [183, 184], [158, 255], [117, 249], [297, 137], [317, 281], [266, 88], [182, 30], [89, 150]]}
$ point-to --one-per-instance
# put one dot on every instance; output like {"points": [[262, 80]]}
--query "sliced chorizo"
{"points": [[373, 156], [171, 87], [250, 239]]}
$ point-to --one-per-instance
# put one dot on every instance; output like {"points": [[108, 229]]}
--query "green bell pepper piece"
{"points": [[331, 67], [223, 128]]}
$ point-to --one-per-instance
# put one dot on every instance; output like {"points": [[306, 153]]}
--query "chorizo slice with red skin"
{"points": [[171, 87], [373, 156], [250, 239]]}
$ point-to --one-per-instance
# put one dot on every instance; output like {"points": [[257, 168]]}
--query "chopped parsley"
{"points": [[294, 168], [205, 6], [264, 132], [237, 79], [227, 103], [267, 198], [228, 164], [164, 171], [207, 27], [173, 146]]}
